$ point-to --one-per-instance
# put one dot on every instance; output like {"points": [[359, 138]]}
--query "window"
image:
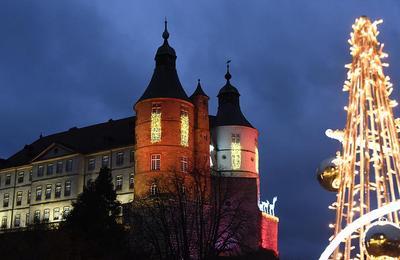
{"points": [[19, 198], [46, 215], [47, 194], [39, 193], [184, 164], [67, 188], [131, 156], [66, 212], [153, 189], [57, 192], [184, 128], [155, 162], [235, 152], [120, 159], [155, 123], [40, 171], [17, 220], [68, 165], [131, 181], [6, 200], [36, 217], [56, 214], [28, 198], [118, 182], [30, 175], [8, 179], [104, 161], [236, 138], [4, 222], [20, 177], [50, 169], [91, 164], [59, 167], [27, 219]]}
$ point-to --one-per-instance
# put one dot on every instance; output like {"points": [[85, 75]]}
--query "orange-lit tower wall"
{"points": [[164, 128], [201, 130]]}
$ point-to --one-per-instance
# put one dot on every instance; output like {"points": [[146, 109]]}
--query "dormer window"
{"points": [[184, 128], [155, 123]]}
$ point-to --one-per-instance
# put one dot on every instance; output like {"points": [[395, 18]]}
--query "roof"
{"points": [[229, 112], [165, 82], [85, 140], [228, 88], [90, 139], [2, 162], [198, 91]]}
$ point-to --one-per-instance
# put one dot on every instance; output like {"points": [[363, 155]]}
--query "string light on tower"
{"points": [[155, 123], [369, 163], [184, 128]]}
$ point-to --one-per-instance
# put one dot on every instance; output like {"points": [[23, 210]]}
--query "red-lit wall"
{"points": [[269, 232]]}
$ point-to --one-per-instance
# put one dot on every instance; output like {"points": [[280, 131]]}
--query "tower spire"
{"points": [[228, 76], [165, 34], [165, 81]]}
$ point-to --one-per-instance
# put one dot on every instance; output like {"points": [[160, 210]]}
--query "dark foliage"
{"points": [[92, 224], [194, 224]]}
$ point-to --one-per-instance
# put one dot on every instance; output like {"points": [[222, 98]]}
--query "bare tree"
{"points": [[193, 216]]}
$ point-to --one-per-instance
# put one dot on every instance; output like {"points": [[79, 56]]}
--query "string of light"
{"points": [[369, 164]]}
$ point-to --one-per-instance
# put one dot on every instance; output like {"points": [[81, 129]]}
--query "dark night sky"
{"points": [[76, 63]]}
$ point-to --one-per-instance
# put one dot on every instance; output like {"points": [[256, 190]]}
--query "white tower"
{"points": [[235, 140]]}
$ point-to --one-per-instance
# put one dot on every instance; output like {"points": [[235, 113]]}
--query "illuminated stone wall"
{"points": [[202, 134], [269, 232], [222, 142], [169, 147]]}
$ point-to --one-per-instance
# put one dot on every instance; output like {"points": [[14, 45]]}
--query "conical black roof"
{"points": [[198, 91], [165, 81], [229, 112]]}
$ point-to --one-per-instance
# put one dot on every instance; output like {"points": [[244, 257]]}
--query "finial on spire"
{"points": [[165, 34], [228, 75], [198, 81]]}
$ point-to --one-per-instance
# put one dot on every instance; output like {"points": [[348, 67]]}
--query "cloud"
{"points": [[74, 63]]}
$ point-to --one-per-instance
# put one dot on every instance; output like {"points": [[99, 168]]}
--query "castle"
{"points": [[171, 132]]}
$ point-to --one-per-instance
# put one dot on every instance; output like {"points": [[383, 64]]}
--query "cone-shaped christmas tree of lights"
{"points": [[369, 164]]}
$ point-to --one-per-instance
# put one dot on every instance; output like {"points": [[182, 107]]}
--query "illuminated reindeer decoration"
{"points": [[268, 207]]}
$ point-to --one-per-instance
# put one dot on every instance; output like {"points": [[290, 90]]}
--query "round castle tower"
{"points": [[235, 147], [164, 127], [235, 154]]}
